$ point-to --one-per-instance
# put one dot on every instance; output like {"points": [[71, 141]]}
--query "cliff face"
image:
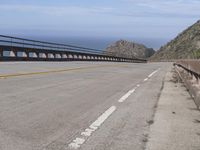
{"points": [[185, 46], [124, 48]]}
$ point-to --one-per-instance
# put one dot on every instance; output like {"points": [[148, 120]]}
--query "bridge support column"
{"points": [[57, 56], [46, 55], [42, 55], [70, 56], [64, 56], [88, 57], [50, 55], [36, 55], [12, 53], [80, 57], [75, 56], [24, 54], [32, 55], [1, 52], [84, 57]]}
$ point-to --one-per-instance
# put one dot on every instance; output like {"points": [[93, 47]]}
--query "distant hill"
{"points": [[185, 46], [123, 48]]}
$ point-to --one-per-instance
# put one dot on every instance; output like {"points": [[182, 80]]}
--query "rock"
{"points": [[123, 48]]}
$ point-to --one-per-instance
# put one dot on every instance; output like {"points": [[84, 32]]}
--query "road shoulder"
{"points": [[177, 121]]}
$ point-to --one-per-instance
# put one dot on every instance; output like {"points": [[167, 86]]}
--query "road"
{"points": [[77, 105]]}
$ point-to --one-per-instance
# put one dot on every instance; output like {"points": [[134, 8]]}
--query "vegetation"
{"points": [[185, 46]]}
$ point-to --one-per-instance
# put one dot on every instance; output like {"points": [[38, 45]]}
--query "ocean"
{"points": [[101, 43]]}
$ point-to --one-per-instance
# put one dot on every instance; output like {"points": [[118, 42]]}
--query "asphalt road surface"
{"points": [[77, 105]]}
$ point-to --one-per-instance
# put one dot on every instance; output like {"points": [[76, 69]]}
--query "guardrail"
{"points": [[189, 70], [14, 48]]}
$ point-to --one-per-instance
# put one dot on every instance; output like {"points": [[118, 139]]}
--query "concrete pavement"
{"points": [[77, 105]]}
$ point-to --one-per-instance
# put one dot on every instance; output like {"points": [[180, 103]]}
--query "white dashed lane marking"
{"points": [[123, 98], [153, 73], [150, 75], [75, 144]]}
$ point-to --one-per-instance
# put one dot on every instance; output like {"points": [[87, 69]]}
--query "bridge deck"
{"points": [[47, 105]]}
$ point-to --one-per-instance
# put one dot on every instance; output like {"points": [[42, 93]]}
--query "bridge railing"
{"points": [[189, 70], [14, 48], [21, 42]]}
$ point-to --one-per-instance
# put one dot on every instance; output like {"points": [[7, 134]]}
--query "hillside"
{"points": [[185, 46], [123, 48]]}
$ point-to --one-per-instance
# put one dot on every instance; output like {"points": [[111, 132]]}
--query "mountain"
{"points": [[123, 48], [185, 46]]}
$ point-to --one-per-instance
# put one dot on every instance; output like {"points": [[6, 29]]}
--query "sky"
{"points": [[145, 21]]}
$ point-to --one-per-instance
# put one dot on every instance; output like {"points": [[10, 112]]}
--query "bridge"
{"points": [[51, 98], [20, 49]]}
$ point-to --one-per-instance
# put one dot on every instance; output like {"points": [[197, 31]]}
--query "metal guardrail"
{"points": [[189, 71], [27, 46], [191, 66]]}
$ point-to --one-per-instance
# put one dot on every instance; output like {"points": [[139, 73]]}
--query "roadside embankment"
{"points": [[177, 120]]}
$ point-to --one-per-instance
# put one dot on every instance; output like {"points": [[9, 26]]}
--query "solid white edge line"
{"points": [[75, 144]]}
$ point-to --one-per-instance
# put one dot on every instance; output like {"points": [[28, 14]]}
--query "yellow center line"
{"points": [[55, 71]]}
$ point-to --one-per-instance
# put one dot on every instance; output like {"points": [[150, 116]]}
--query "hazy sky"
{"points": [[98, 18]]}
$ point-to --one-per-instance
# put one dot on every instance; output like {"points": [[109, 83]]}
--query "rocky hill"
{"points": [[123, 48], [185, 46]]}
